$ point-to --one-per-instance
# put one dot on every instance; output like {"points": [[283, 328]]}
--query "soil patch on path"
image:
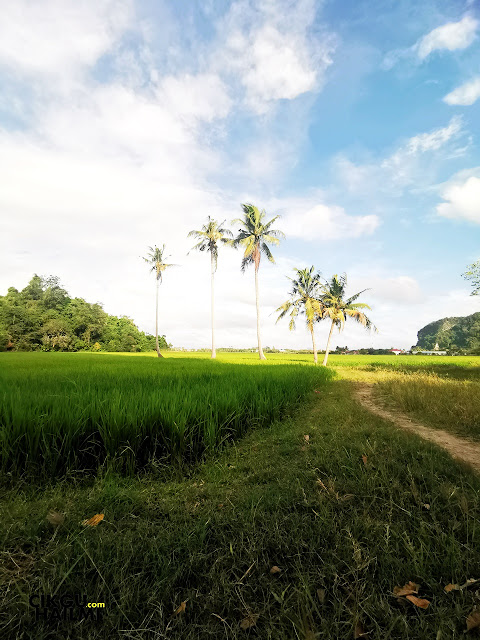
{"points": [[459, 448]]}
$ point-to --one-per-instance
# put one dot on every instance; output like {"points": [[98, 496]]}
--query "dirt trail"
{"points": [[459, 448]]}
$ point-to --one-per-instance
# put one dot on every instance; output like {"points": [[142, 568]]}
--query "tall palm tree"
{"points": [[209, 236], [338, 308], [304, 299], [254, 236], [156, 259]]}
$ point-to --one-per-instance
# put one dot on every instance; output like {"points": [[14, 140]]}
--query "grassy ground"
{"points": [[70, 413], [344, 531]]}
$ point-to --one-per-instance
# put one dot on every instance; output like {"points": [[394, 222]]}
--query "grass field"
{"points": [[343, 530]]}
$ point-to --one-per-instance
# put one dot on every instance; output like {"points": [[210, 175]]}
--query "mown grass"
{"points": [[68, 413], [409, 513]]}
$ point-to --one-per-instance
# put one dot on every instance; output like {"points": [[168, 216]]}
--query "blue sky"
{"points": [[124, 124]]}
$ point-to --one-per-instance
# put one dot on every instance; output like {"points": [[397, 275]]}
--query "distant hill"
{"points": [[44, 317], [461, 334]]}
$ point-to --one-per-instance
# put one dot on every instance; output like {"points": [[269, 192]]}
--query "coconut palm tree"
{"points": [[209, 236], [254, 236], [338, 308], [156, 259], [304, 299]]}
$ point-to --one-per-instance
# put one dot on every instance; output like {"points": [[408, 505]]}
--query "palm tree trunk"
{"points": [[212, 262], [260, 351], [324, 363], [156, 325], [315, 357]]}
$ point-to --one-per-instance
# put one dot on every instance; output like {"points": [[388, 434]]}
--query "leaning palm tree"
{"points": [[156, 259], [209, 236], [254, 236], [338, 308], [304, 299]]}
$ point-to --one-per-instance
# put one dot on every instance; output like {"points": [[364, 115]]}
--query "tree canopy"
{"points": [[43, 316]]}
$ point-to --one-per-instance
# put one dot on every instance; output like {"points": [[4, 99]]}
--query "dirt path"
{"points": [[459, 448]]}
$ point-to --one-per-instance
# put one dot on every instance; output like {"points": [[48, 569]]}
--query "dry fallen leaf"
{"points": [[426, 506], [181, 608], [365, 460], [275, 569], [460, 587], [306, 438], [473, 620], [56, 518], [359, 631], [93, 521], [321, 595], [451, 587], [419, 602], [406, 590], [250, 621]]}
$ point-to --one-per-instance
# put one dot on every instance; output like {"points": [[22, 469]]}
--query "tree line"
{"points": [[310, 295], [43, 316]]}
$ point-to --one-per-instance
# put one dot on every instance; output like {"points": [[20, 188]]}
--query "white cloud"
{"points": [[324, 222], [55, 37], [411, 165], [450, 36], [270, 49], [466, 94], [462, 196], [203, 96]]}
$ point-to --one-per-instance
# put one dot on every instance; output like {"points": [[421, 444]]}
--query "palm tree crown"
{"points": [[209, 236], [255, 235], [304, 298], [338, 308], [156, 258]]}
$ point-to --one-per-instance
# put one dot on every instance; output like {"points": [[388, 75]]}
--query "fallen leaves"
{"points": [[275, 570], [94, 520], [460, 587], [419, 602], [473, 620], [365, 460], [407, 591], [306, 438], [249, 622], [55, 518], [181, 609]]}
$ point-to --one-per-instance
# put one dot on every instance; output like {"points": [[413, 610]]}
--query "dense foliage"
{"points": [[454, 334], [43, 317]]}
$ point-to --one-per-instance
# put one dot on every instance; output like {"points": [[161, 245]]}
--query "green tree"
{"points": [[305, 300], [338, 308], [473, 273], [156, 259], [253, 237], [209, 236]]}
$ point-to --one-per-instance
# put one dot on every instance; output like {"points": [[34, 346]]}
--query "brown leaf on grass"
{"points": [[359, 631], [249, 622], [94, 520], [406, 590], [426, 506], [460, 587], [473, 620], [275, 569], [55, 518], [451, 587], [419, 602], [181, 608], [306, 438], [321, 595], [365, 460]]}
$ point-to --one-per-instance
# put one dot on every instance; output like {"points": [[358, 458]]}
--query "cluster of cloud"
{"points": [[403, 168], [466, 94], [462, 197], [451, 36]]}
